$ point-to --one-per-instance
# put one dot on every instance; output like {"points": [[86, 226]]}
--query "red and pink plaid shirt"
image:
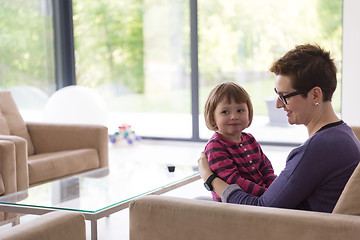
{"points": [[241, 163]]}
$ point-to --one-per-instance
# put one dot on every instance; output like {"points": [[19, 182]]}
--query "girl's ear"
{"points": [[213, 124]]}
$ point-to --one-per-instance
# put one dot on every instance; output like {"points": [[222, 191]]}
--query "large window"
{"points": [[136, 54], [140, 56], [27, 53], [238, 41]]}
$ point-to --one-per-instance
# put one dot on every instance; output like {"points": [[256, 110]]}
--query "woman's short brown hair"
{"points": [[231, 91], [308, 66]]}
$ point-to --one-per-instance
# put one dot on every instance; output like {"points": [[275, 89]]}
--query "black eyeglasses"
{"points": [[284, 97]]}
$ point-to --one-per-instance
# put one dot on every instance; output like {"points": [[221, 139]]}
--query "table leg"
{"points": [[93, 229], [16, 221]]}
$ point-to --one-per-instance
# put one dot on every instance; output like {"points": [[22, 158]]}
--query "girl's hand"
{"points": [[204, 168]]}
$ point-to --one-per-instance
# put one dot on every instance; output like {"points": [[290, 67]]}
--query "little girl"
{"points": [[235, 156]]}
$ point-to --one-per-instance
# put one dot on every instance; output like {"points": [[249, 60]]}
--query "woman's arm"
{"points": [[232, 171], [266, 168], [283, 192], [205, 171], [292, 188]]}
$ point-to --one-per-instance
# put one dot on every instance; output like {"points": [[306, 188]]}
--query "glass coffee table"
{"points": [[99, 193]]}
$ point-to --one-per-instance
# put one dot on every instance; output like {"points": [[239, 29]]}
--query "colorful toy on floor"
{"points": [[124, 135]]}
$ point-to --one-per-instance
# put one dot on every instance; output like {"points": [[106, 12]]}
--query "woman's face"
{"points": [[298, 107]]}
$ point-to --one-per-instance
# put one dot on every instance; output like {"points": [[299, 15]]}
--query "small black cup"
{"points": [[171, 168]]}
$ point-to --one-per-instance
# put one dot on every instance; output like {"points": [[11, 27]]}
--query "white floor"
{"points": [[116, 226]]}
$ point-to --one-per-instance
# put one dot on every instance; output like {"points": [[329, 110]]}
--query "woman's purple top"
{"points": [[314, 176]]}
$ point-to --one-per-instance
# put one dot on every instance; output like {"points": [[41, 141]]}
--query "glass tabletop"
{"points": [[132, 172]]}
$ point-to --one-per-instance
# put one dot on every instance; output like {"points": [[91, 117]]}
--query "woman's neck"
{"points": [[324, 116]]}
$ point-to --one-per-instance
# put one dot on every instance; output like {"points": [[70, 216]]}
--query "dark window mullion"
{"points": [[64, 43], [194, 70]]}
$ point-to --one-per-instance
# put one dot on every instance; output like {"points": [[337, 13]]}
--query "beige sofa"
{"points": [[161, 217], [58, 225], [33, 153]]}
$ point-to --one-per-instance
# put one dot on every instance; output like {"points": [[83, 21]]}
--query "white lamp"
{"points": [[76, 104]]}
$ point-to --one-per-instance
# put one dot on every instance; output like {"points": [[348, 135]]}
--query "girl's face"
{"points": [[297, 107], [231, 119]]}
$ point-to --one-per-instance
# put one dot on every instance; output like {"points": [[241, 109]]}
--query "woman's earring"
{"points": [[316, 104]]}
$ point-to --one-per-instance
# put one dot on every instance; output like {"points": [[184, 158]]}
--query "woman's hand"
{"points": [[204, 168], [205, 172]]}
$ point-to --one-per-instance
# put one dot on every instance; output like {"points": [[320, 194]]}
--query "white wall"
{"points": [[351, 63]]}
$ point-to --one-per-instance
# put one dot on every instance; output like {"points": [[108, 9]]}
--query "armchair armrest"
{"points": [[161, 217], [21, 154], [56, 225], [51, 137], [8, 179], [8, 166]]}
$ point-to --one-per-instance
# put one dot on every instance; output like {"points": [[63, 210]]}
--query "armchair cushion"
{"points": [[11, 122], [52, 137], [66, 149], [47, 166]]}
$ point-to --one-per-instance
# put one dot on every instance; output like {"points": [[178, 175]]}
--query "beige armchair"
{"points": [[161, 217], [33, 153], [356, 130], [57, 225]]}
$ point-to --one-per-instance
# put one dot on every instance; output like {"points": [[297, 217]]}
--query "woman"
{"points": [[316, 172]]}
